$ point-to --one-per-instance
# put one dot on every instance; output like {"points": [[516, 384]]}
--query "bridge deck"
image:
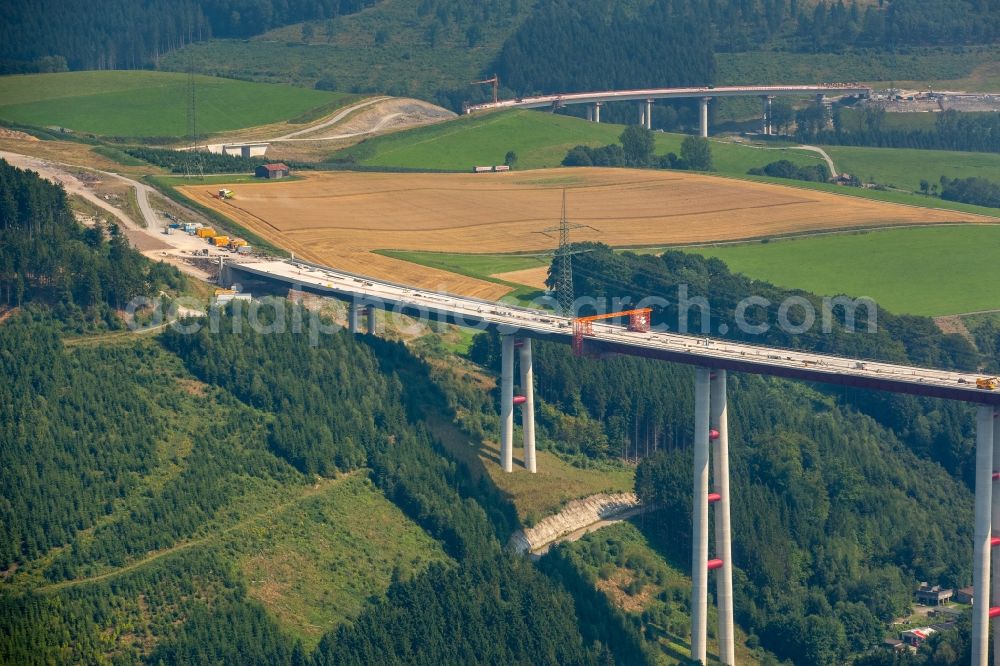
{"points": [[539, 101], [610, 339]]}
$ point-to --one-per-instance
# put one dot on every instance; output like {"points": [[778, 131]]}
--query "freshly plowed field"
{"points": [[338, 218]]}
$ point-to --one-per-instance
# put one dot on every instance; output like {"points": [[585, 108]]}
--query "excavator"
{"points": [[988, 383]]}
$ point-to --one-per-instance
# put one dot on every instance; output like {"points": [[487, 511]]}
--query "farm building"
{"points": [[272, 171], [933, 595]]}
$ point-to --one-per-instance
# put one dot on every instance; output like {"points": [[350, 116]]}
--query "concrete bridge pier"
{"points": [[642, 115], [985, 419], [649, 114], [766, 100], [699, 533], [597, 112], [352, 316], [703, 116], [590, 112], [528, 406], [711, 427], [370, 319], [507, 402], [719, 433], [995, 529]]}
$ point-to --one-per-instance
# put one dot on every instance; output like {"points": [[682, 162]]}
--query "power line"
{"points": [[564, 261], [193, 163]]}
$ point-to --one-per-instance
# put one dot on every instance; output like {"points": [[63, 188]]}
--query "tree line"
{"points": [[47, 256], [953, 130], [973, 190], [818, 173], [636, 151], [124, 34]]}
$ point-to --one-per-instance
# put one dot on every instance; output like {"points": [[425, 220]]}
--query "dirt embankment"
{"points": [[575, 520]]}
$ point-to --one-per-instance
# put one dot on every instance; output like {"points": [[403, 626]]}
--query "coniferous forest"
{"points": [[844, 498], [678, 35], [107, 548]]}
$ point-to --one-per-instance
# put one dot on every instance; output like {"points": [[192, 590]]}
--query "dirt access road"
{"points": [[151, 239]]}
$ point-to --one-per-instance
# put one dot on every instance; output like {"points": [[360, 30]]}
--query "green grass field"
{"points": [[541, 140], [150, 104], [473, 265], [921, 271], [903, 167], [481, 266]]}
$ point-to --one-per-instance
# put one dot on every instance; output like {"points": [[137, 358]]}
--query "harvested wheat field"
{"points": [[338, 218]]}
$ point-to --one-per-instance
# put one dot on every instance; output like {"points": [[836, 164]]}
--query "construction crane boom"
{"points": [[495, 80], [638, 322]]}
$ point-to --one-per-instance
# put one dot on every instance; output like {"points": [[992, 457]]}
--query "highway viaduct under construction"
{"points": [[712, 360], [704, 95]]}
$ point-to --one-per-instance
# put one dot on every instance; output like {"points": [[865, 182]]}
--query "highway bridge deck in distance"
{"points": [[610, 339]]}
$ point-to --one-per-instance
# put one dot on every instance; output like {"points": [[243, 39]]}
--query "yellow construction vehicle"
{"points": [[988, 383], [225, 194]]}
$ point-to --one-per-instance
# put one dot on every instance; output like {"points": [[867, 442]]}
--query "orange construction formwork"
{"points": [[638, 322]]}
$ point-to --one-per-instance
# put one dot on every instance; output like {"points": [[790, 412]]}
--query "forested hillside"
{"points": [[600, 46], [231, 495], [47, 256], [111, 591], [834, 520], [433, 49], [124, 34], [952, 130], [841, 498]]}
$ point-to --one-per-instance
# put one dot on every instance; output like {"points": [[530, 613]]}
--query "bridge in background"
{"points": [[647, 96], [712, 360]]}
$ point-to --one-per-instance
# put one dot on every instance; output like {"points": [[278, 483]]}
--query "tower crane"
{"points": [[495, 80]]}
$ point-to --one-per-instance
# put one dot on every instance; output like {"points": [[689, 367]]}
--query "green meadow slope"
{"points": [[151, 104], [921, 271], [542, 139]]}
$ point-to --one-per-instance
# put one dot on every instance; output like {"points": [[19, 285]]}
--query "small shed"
{"points": [[965, 595], [277, 170]]}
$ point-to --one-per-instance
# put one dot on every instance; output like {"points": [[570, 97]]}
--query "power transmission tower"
{"points": [[564, 261], [192, 164]]}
